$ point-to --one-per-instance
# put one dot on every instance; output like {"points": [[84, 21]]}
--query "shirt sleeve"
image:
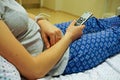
{"points": [[0, 17], [1, 9]]}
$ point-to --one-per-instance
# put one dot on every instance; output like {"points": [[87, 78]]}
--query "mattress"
{"points": [[108, 70]]}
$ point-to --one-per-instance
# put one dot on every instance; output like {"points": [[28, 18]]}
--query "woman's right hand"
{"points": [[74, 32]]}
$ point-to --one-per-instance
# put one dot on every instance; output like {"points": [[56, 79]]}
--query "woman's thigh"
{"points": [[94, 25], [8, 71], [93, 49]]}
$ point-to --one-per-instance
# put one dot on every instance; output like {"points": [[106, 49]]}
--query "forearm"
{"points": [[54, 53], [42, 21], [51, 56]]}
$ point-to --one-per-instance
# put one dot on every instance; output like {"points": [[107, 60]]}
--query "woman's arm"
{"points": [[38, 66], [50, 33]]}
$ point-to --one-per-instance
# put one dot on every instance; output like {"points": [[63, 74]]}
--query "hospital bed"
{"points": [[109, 70]]}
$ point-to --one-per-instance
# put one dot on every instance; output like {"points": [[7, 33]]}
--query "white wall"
{"points": [[77, 7], [113, 4], [49, 4]]}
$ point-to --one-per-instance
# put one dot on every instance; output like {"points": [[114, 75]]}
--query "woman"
{"points": [[22, 48]]}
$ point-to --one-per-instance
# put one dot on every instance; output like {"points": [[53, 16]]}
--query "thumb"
{"points": [[82, 27], [73, 23]]}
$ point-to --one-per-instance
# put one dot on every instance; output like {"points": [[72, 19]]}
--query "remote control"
{"points": [[83, 18]]}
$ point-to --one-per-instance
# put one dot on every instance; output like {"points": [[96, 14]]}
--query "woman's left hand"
{"points": [[49, 33]]}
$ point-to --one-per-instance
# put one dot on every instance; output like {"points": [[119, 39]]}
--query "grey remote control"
{"points": [[83, 18]]}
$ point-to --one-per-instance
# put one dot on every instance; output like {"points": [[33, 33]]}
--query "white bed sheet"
{"points": [[109, 70]]}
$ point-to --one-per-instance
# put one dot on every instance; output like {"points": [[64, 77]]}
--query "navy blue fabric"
{"points": [[100, 40]]}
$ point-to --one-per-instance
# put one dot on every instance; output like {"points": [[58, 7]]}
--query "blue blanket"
{"points": [[100, 40]]}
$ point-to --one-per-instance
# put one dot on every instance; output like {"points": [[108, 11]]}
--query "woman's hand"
{"points": [[73, 31], [49, 33]]}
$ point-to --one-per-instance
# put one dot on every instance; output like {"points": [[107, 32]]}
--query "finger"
{"points": [[73, 23], [82, 27], [46, 41], [52, 39], [58, 35]]}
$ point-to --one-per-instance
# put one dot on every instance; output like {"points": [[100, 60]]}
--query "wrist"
{"points": [[68, 37], [41, 16], [38, 19], [41, 21]]}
